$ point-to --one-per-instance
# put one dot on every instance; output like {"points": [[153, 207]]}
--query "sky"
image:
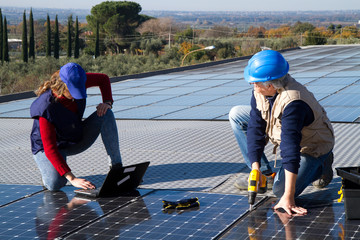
{"points": [[200, 5]]}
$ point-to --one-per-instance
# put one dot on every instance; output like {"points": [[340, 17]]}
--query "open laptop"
{"points": [[120, 179]]}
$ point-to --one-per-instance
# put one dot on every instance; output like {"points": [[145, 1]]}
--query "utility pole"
{"points": [[193, 33], [170, 38]]}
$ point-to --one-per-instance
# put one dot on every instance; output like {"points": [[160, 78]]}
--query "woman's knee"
{"points": [[54, 184]]}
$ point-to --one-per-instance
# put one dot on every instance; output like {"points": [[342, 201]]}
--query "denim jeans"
{"points": [[239, 117], [310, 167], [92, 127]]}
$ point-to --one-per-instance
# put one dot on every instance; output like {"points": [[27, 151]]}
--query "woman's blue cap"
{"points": [[74, 76]]}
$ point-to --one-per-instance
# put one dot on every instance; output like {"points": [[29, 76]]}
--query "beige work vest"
{"points": [[317, 138]]}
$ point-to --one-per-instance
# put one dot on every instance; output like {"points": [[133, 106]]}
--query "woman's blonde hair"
{"points": [[55, 84]]}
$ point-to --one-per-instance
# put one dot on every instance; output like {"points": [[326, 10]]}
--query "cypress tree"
{"points": [[31, 36], [1, 35], [5, 56], [48, 37], [69, 37], [77, 43], [56, 39], [97, 41], [24, 52]]}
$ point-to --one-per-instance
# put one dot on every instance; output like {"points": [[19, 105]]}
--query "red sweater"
{"points": [[48, 131]]}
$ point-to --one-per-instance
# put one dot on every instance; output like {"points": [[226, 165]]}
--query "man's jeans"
{"points": [[310, 167], [92, 127]]}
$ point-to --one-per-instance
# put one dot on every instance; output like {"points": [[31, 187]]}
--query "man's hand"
{"points": [[288, 204], [102, 108], [79, 182], [287, 201]]}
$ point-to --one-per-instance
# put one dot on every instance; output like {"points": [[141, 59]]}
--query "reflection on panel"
{"points": [[323, 221]]}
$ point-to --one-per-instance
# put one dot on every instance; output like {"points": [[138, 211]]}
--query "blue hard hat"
{"points": [[265, 66]]}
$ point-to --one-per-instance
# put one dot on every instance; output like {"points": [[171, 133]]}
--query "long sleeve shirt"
{"points": [[296, 115]]}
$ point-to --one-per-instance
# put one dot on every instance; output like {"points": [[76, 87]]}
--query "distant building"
{"points": [[14, 44]]}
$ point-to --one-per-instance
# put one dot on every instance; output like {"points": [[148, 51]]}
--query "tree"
{"points": [[31, 36], [300, 28], [56, 39], [159, 26], [77, 41], [1, 35], [48, 37], [24, 52], [69, 41], [118, 20], [5, 56], [97, 41], [314, 38], [256, 32], [331, 28]]}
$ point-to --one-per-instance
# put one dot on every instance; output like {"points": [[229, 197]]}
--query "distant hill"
{"points": [[240, 20], [14, 15]]}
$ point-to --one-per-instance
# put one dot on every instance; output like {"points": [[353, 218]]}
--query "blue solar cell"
{"points": [[229, 76], [96, 99], [132, 83], [138, 90], [198, 112], [238, 83], [305, 80], [11, 193], [171, 83], [198, 76], [116, 108], [345, 74], [164, 77], [231, 100], [309, 74], [351, 89], [177, 91], [147, 112], [24, 113], [187, 100], [324, 89], [339, 99], [142, 100], [207, 83], [16, 105], [325, 81], [223, 91], [342, 114]]}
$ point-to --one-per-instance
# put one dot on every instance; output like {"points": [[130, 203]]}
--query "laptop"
{"points": [[119, 180]]}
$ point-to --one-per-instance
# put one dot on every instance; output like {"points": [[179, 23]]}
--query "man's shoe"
{"points": [[327, 174], [270, 180], [242, 183]]}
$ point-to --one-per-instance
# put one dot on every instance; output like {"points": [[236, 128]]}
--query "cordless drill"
{"points": [[254, 186]]}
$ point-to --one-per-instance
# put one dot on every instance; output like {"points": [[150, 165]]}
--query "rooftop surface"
{"points": [[178, 121]]}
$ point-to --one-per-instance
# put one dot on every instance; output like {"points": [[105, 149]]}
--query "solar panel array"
{"points": [[332, 73]]}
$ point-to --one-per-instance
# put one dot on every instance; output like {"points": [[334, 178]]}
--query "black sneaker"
{"points": [[327, 174]]}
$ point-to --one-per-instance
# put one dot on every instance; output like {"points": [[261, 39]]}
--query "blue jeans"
{"points": [[310, 167], [92, 127]]}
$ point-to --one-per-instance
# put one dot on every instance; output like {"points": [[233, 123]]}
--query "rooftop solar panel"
{"points": [[326, 71]]}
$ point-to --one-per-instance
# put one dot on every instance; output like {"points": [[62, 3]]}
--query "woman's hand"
{"points": [[82, 183], [79, 182], [102, 108]]}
